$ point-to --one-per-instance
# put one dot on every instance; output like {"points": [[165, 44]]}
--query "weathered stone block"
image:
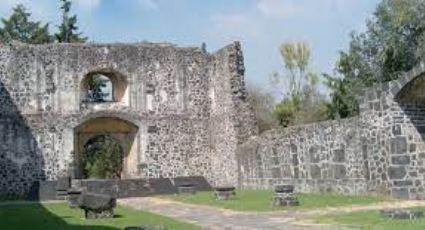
{"points": [[403, 183], [400, 160], [285, 199], [186, 189], [396, 172], [399, 145], [339, 155], [314, 156], [63, 183], [396, 130], [401, 213], [97, 206], [284, 188], [400, 193], [225, 193], [74, 197], [340, 171], [315, 172]]}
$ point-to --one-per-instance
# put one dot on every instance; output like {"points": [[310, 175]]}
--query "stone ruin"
{"points": [[183, 112], [381, 151], [175, 111]]}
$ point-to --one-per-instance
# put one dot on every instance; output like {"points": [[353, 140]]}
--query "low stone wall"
{"points": [[46, 190], [319, 157]]}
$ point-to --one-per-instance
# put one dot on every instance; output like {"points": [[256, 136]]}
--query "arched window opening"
{"points": [[98, 87], [102, 158]]}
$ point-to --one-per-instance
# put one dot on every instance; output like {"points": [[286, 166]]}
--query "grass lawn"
{"points": [[59, 216], [260, 200], [370, 220]]}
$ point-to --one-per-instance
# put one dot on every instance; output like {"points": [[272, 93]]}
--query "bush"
{"points": [[102, 158]]}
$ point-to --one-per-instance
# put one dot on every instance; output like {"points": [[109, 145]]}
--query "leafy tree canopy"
{"points": [[19, 27], [68, 30], [393, 42]]}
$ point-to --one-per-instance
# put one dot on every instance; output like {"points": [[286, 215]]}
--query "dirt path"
{"points": [[216, 218]]}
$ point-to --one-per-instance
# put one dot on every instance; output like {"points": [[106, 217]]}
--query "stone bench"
{"points": [[97, 206], [74, 197], [284, 196], [225, 193], [401, 214], [186, 189]]}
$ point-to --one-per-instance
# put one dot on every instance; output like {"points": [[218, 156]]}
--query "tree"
{"points": [[302, 103], [393, 42], [296, 58], [68, 30], [19, 27], [96, 88], [102, 158]]}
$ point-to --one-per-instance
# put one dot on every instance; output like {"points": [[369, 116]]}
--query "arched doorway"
{"points": [[89, 137]]}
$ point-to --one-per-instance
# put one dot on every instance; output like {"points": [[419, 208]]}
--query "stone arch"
{"points": [[406, 133], [119, 83], [397, 87], [412, 93], [122, 130]]}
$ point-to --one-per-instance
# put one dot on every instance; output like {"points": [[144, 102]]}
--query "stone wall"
{"points": [[319, 157], [382, 151], [183, 102]]}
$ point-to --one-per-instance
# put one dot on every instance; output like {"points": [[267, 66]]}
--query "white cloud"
{"points": [[149, 4], [279, 8]]}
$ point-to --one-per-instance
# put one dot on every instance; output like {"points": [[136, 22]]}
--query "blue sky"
{"points": [[261, 25]]}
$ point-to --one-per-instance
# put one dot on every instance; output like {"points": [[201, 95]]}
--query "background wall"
{"points": [[382, 151], [183, 101], [320, 157]]}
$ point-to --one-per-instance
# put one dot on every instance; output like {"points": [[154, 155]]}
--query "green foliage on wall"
{"points": [[102, 158]]}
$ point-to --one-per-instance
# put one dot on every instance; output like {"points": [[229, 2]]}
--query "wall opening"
{"points": [[411, 99], [102, 158], [109, 137], [103, 86]]}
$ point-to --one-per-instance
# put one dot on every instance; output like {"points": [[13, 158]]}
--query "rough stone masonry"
{"points": [[176, 111], [381, 151], [183, 112]]}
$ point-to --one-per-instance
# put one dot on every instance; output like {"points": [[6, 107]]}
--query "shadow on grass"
{"points": [[35, 216]]}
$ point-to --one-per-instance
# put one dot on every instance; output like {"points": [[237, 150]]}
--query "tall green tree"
{"points": [[302, 102], [19, 27], [393, 42], [68, 30]]}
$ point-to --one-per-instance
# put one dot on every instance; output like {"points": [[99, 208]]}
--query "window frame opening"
{"points": [[116, 83]]}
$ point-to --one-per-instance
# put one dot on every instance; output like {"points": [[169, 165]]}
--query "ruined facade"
{"points": [[381, 151], [176, 111], [183, 112]]}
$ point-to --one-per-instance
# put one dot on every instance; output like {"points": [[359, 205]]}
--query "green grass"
{"points": [[260, 200], [371, 220], [59, 216]]}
